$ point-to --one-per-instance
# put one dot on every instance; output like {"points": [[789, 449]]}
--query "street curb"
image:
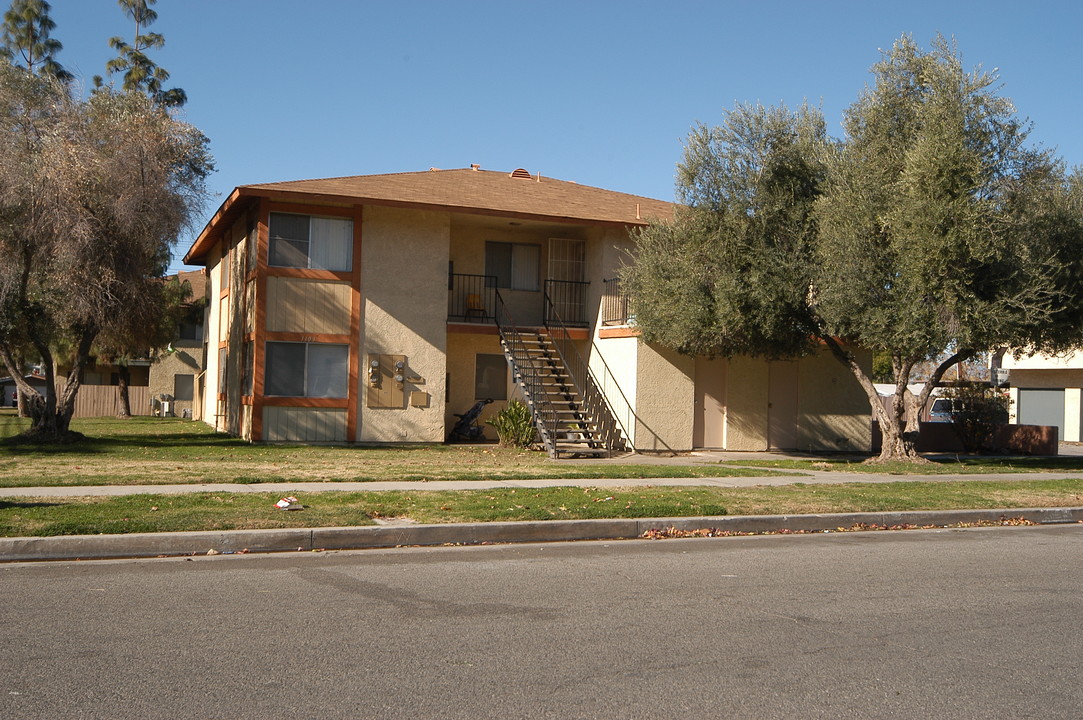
{"points": [[99, 547]]}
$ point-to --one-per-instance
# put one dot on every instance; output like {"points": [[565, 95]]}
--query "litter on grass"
{"points": [[289, 503]]}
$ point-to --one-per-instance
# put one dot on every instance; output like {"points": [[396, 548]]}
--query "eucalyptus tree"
{"points": [[92, 195], [931, 231], [25, 40]]}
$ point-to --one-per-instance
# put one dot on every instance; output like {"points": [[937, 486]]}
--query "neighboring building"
{"points": [[176, 377], [376, 308], [1047, 390], [10, 391]]}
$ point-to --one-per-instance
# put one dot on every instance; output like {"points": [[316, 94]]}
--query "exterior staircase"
{"points": [[571, 413], [565, 424]]}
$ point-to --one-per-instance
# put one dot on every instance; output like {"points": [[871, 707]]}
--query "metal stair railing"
{"points": [[610, 430], [527, 376]]}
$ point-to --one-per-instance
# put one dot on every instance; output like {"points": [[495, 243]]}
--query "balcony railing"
{"points": [[568, 300], [615, 309], [471, 298]]}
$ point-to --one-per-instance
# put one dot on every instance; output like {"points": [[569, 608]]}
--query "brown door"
{"points": [[710, 413], [782, 405]]}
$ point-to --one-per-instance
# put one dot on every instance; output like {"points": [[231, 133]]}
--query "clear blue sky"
{"points": [[601, 93]]}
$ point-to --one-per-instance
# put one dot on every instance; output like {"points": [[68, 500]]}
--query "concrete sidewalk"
{"points": [[172, 544], [782, 477], [408, 534]]}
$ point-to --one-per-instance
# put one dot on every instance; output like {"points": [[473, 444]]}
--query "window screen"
{"points": [[327, 371], [490, 377], [306, 370], [221, 370], [311, 242], [285, 369]]}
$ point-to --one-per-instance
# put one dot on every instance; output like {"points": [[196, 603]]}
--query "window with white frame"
{"points": [[515, 265], [305, 241], [318, 370]]}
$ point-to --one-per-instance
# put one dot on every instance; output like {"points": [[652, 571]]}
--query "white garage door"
{"points": [[1043, 406]]}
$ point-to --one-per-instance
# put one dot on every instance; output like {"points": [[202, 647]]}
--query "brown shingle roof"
{"points": [[483, 192]]}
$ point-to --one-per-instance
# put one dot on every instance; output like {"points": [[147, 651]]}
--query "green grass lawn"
{"points": [[233, 511], [939, 465], [153, 451]]}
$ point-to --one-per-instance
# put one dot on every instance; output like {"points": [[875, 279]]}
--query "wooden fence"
{"points": [[104, 401]]}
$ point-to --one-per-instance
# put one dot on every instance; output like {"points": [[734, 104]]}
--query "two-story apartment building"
{"points": [[374, 309]]}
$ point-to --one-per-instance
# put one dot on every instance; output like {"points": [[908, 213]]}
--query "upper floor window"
{"points": [[190, 330], [304, 241], [516, 266]]}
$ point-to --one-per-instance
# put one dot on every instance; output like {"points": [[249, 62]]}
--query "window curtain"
{"points": [[328, 370], [524, 267], [331, 244]]}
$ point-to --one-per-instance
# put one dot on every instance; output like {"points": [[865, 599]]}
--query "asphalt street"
{"points": [[952, 623]]}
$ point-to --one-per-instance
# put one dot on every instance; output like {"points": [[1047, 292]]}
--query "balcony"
{"points": [[475, 298], [615, 306]]}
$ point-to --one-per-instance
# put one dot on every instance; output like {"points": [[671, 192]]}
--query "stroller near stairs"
{"points": [[468, 429]]}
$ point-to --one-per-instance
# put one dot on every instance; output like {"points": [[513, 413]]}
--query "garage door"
{"points": [[1041, 407]]}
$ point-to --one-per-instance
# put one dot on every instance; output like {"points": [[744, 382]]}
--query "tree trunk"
{"points": [[899, 434], [900, 428], [50, 415], [125, 375]]}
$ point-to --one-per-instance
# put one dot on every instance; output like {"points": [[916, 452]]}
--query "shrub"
{"points": [[976, 410], [515, 426]]}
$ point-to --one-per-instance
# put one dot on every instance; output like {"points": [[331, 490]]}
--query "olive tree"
{"points": [[930, 231]]}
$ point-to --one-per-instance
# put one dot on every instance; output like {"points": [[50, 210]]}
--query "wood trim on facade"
{"points": [[353, 375], [307, 274], [279, 336], [259, 322], [261, 336], [619, 332], [305, 402]]}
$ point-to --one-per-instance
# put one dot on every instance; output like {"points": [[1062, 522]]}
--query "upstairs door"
{"points": [[566, 286]]}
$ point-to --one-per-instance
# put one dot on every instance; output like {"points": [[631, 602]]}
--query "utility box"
{"points": [[385, 376]]}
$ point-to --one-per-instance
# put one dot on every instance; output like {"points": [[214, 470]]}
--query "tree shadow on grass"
{"points": [[20, 505]]}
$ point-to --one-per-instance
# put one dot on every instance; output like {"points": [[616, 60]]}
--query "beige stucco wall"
{"points": [[1051, 378], [404, 262], [664, 399], [184, 360], [746, 404], [462, 349], [833, 412]]}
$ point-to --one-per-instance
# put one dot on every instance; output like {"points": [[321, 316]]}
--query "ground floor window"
{"points": [[317, 370], [490, 377], [184, 387]]}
